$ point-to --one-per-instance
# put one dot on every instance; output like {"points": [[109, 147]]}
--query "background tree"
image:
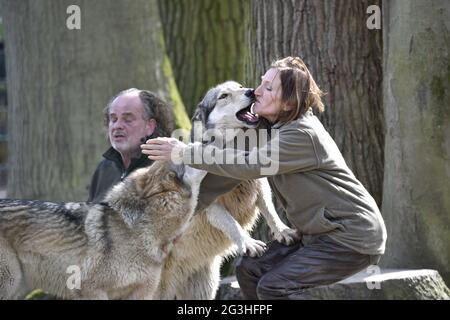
{"points": [[59, 80], [3, 115], [416, 198], [205, 41], [344, 57]]}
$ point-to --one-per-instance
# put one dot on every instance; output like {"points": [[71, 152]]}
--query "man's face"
{"points": [[127, 125]]}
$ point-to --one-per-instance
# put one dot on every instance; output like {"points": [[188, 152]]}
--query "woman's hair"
{"points": [[298, 88]]}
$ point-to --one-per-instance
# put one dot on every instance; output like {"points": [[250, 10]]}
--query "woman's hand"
{"points": [[164, 149]]}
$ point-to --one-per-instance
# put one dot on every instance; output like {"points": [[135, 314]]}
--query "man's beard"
{"points": [[125, 147]]}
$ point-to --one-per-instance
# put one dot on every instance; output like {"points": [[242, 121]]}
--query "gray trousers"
{"points": [[284, 272]]}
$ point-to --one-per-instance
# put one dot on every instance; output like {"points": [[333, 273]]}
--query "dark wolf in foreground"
{"points": [[118, 247]]}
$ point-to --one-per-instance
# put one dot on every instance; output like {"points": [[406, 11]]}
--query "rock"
{"points": [[229, 289], [373, 284]]}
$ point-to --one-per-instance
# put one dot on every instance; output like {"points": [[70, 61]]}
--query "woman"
{"points": [[343, 230]]}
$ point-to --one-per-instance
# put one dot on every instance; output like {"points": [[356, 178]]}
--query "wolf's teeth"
{"points": [[251, 108]]}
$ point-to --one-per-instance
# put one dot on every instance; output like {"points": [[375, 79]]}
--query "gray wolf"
{"points": [[192, 270], [119, 246]]}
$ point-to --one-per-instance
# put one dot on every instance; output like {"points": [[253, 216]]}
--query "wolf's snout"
{"points": [[250, 93]]}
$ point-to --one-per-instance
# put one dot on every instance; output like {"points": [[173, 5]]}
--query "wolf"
{"points": [[192, 269], [118, 246]]}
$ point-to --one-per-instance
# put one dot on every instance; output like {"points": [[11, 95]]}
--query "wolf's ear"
{"points": [[198, 123], [200, 114]]}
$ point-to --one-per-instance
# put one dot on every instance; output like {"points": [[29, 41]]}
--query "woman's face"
{"points": [[268, 96]]}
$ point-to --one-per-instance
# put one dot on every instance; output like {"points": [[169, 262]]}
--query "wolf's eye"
{"points": [[223, 96]]}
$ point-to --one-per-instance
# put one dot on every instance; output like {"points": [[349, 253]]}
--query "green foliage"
{"points": [[36, 294]]}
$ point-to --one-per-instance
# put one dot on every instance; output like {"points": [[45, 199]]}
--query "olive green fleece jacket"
{"points": [[318, 191]]}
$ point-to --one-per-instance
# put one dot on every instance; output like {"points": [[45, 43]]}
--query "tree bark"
{"points": [[205, 40], [59, 81], [344, 57], [416, 90]]}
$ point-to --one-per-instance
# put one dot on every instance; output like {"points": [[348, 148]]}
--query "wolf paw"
{"points": [[287, 235], [252, 247]]}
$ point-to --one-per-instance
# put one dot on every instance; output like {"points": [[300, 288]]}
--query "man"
{"points": [[131, 117]]}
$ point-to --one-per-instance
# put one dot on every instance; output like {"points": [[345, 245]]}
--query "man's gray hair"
{"points": [[154, 108]]}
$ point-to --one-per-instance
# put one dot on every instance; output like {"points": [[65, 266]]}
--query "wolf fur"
{"points": [[118, 247]]}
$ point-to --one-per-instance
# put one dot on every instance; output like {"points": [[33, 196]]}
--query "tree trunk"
{"points": [[205, 41], [344, 57], [416, 198], [59, 80]]}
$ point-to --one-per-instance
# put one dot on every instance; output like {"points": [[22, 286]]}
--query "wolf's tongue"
{"points": [[250, 117], [246, 115]]}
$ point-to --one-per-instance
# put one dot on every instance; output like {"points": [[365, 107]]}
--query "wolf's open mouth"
{"points": [[247, 116]]}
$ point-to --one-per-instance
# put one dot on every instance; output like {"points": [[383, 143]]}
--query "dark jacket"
{"points": [[110, 171]]}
